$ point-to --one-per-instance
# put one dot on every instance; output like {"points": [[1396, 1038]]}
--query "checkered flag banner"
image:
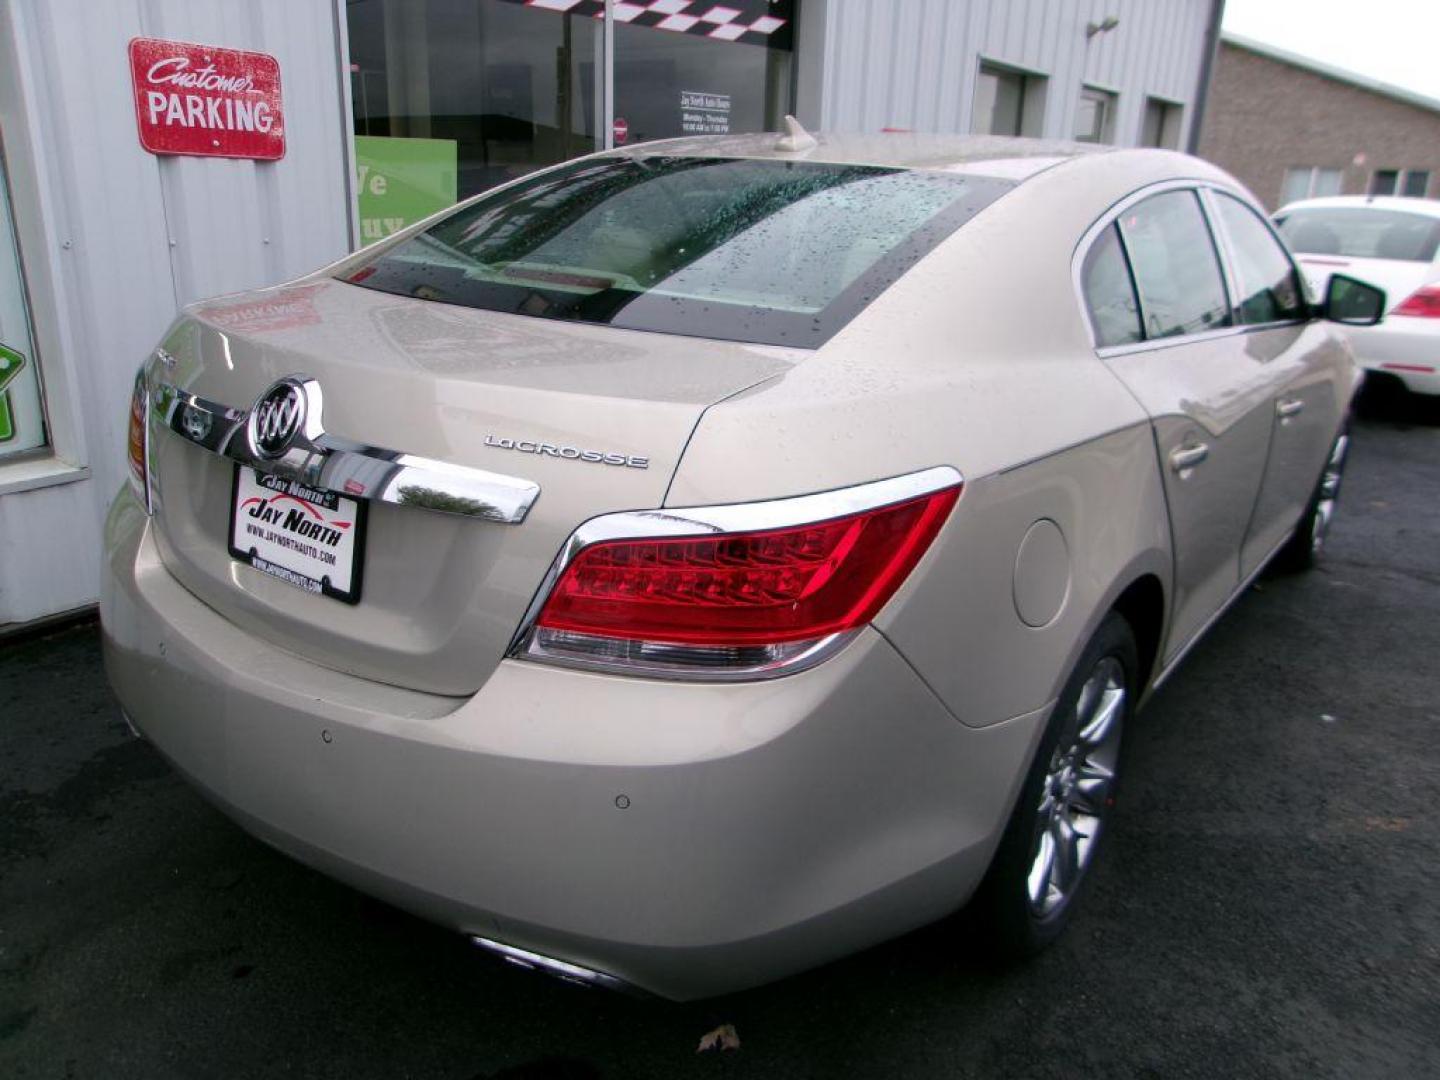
{"points": [[755, 22]]}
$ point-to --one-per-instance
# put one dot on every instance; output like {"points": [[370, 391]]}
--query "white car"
{"points": [[1389, 242]]}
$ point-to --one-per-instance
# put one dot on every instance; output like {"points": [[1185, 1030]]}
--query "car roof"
{"points": [[1409, 204], [987, 155]]}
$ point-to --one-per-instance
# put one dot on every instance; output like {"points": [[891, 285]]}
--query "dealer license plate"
{"points": [[312, 539]]}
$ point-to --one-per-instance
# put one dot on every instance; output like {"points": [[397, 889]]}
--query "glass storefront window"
{"points": [[22, 418], [452, 97], [702, 69]]}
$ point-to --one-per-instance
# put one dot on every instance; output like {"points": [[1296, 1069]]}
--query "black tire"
{"points": [[1306, 546], [1013, 924]]}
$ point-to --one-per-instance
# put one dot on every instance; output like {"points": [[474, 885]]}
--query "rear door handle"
{"points": [[1286, 409], [1185, 458]]}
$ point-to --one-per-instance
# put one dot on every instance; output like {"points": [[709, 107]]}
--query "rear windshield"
{"points": [[772, 252], [1362, 233]]}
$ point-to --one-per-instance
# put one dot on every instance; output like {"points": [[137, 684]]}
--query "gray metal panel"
{"points": [[912, 63], [105, 213], [271, 220]]}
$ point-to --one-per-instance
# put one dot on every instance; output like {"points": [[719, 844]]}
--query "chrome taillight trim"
{"points": [[686, 663], [143, 491], [812, 509], [352, 469]]}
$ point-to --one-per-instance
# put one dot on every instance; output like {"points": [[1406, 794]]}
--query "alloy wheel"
{"points": [[1078, 790], [1328, 493]]}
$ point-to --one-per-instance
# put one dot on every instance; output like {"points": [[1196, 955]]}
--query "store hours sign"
{"points": [[207, 101]]}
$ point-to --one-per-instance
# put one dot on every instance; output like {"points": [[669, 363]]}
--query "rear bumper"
{"points": [[687, 839], [1406, 347]]}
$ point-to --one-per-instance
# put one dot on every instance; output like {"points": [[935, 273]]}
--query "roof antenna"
{"points": [[796, 138]]}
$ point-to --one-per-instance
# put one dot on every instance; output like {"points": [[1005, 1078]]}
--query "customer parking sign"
{"points": [[207, 101]]}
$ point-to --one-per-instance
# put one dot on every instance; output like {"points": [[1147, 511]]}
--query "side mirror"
{"points": [[1353, 303]]}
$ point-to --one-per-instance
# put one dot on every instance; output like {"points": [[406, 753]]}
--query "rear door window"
{"points": [[1177, 272], [1268, 284], [765, 251]]}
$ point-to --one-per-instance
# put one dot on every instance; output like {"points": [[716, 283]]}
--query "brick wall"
{"points": [[1265, 116]]}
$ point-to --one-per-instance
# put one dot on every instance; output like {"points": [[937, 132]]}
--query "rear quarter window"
{"points": [[1176, 268], [1109, 292]]}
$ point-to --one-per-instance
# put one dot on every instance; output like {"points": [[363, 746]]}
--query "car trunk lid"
{"points": [[441, 595]]}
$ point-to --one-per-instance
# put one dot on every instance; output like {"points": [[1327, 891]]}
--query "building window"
{"points": [[1161, 124], [671, 84], [22, 415], [1410, 182], [452, 97], [1309, 182], [1007, 102], [1095, 116]]}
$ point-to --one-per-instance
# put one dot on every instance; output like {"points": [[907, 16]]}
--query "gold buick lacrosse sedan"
{"points": [[695, 562]]}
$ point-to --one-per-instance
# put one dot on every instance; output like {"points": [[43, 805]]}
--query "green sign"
{"points": [[11, 362], [401, 181]]}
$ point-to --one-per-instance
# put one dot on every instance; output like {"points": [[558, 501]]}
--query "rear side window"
{"points": [[1109, 292], [1269, 287], [772, 252], [1177, 272], [1359, 232]]}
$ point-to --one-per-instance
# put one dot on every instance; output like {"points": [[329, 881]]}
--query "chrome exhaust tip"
{"points": [[130, 724], [548, 965]]}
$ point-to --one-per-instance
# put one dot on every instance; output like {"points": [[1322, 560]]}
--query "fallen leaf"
{"points": [[722, 1038]]}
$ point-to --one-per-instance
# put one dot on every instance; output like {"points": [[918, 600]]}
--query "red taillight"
{"points": [[746, 589], [1423, 303], [137, 441]]}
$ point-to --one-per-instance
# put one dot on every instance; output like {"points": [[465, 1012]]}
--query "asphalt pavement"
{"points": [[1269, 905]]}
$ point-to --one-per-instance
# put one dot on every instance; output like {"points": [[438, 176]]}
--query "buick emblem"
{"points": [[277, 418]]}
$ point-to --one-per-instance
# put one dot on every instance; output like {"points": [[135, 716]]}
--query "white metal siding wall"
{"points": [[128, 237], [912, 63]]}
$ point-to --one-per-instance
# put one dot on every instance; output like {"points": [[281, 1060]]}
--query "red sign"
{"points": [[197, 99], [621, 127]]}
